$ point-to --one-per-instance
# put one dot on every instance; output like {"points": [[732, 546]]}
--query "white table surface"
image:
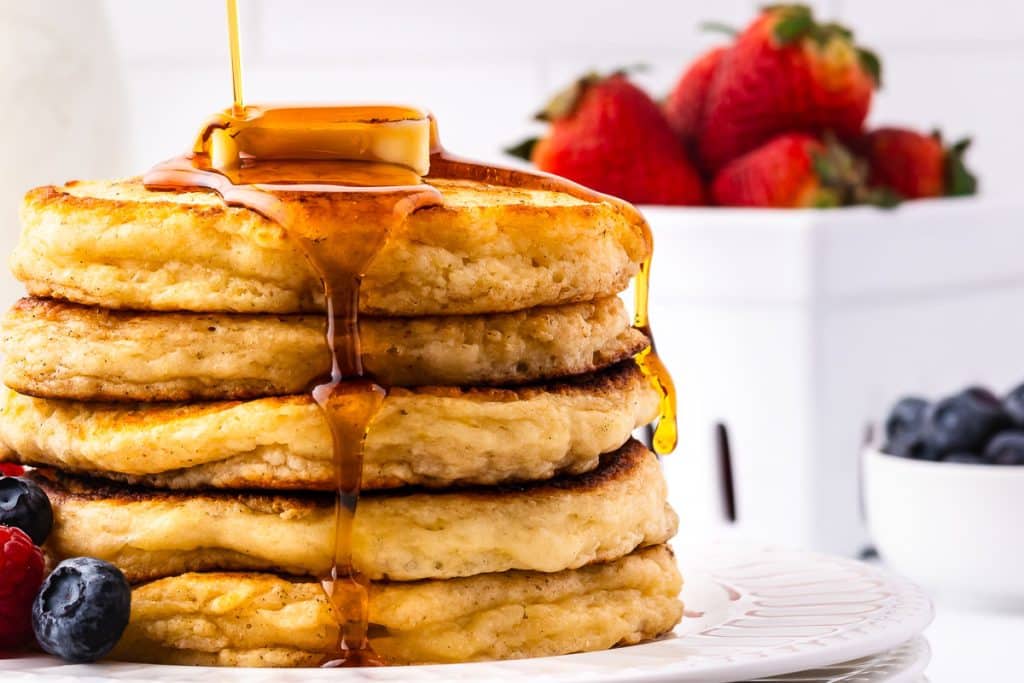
{"points": [[972, 644]]}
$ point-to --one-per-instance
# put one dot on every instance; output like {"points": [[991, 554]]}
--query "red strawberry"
{"points": [[792, 170], [21, 574], [684, 104], [914, 165], [608, 134], [11, 469], [785, 73]]}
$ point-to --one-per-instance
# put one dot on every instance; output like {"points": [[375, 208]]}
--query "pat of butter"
{"points": [[372, 133]]}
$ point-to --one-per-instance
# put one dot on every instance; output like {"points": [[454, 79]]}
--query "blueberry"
{"points": [[966, 459], [906, 418], [913, 446], [1006, 448], [1013, 404], [965, 421], [24, 505], [81, 610]]}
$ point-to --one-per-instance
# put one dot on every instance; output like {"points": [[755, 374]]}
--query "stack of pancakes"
{"points": [[158, 377]]}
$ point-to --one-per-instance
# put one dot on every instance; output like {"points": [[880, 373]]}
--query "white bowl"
{"points": [[958, 529]]}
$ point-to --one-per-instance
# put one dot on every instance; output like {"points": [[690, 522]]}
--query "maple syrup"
{"points": [[234, 36], [338, 180], [445, 165]]}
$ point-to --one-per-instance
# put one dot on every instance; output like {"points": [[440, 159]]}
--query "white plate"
{"points": [[905, 664], [753, 612]]}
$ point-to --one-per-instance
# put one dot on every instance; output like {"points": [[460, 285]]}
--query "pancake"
{"points": [[547, 526], [60, 350], [430, 436], [264, 620], [486, 249]]}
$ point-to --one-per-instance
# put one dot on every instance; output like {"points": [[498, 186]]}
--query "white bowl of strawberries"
{"points": [[788, 322], [774, 119]]}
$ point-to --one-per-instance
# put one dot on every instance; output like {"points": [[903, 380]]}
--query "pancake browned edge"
{"points": [[546, 526], [428, 436], [58, 350], [486, 249], [263, 620]]}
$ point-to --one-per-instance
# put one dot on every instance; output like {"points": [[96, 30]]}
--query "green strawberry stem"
{"points": [[564, 102], [522, 150], [844, 178], [795, 23], [960, 182], [719, 27]]}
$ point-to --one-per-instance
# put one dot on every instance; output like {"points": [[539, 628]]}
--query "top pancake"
{"points": [[485, 249]]}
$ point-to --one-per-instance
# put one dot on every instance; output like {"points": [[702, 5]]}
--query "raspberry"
{"points": [[11, 469], [21, 575]]}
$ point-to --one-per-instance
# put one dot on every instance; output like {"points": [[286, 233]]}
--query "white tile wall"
{"points": [[484, 67]]}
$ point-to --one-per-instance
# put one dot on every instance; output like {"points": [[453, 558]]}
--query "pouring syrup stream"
{"points": [[238, 107]]}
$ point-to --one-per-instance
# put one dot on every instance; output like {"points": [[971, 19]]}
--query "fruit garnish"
{"points": [[684, 104], [81, 610], [1013, 404], [965, 459], [21, 574], [11, 469], [786, 72], [905, 430], [1006, 448], [24, 505], [914, 165], [906, 418], [960, 181], [965, 421], [608, 134], [522, 149], [912, 446], [795, 170]]}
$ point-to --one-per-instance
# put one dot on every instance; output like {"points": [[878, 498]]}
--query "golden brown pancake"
{"points": [[487, 249], [263, 620], [60, 350], [547, 526], [430, 436]]}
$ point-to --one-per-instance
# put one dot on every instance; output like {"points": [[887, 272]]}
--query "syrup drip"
{"points": [[339, 207], [339, 224], [666, 434], [445, 165]]}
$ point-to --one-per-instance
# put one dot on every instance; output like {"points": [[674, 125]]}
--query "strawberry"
{"points": [[785, 72], [608, 134], [21, 574], [914, 165], [11, 469], [684, 104], [790, 171]]}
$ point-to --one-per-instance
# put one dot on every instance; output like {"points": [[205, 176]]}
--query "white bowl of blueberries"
{"points": [[944, 495]]}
